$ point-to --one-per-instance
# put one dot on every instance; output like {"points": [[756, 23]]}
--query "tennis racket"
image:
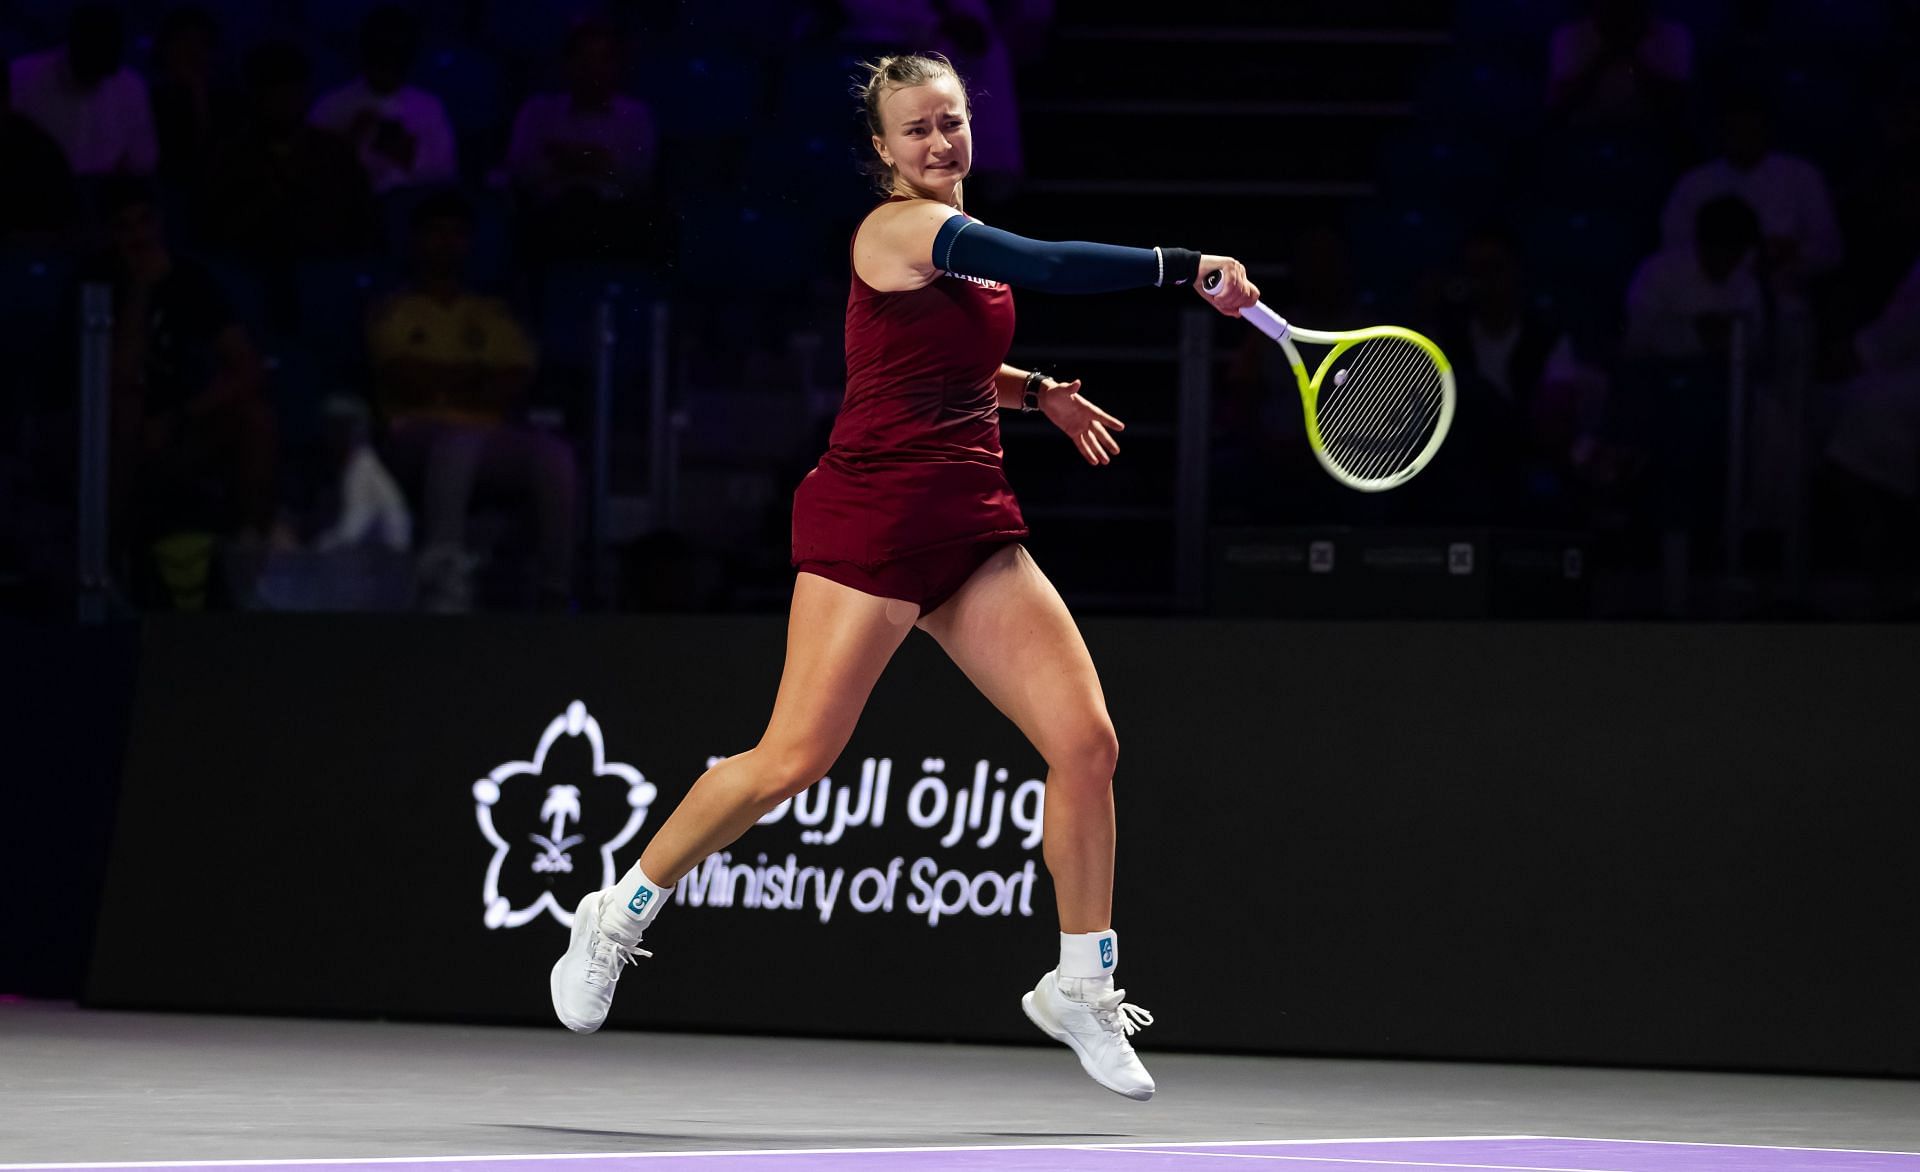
{"points": [[1379, 404]]}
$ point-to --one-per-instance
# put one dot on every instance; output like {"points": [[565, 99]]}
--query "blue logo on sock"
{"points": [[1106, 953], [641, 898]]}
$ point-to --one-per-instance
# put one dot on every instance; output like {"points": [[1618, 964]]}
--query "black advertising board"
{"points": [[1635, 844], [391, 799]]}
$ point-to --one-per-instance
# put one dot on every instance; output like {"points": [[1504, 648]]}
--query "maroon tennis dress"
{"points": [[911, 497]]}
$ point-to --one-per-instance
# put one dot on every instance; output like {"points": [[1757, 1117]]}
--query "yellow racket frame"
{"points": [[1280, 330], [1340, 342]]}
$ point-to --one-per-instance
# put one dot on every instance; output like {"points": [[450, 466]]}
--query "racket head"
{"points": [[1378, 406]]}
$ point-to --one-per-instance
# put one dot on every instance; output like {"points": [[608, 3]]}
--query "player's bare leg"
{"points": [[839, 640], [1009, 631]]}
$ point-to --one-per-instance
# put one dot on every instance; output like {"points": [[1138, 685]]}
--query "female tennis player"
{"points": [[908, 521]]}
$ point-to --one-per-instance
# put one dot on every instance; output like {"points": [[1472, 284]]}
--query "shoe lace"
{"points": [[1116, 1016], [608, 957]]}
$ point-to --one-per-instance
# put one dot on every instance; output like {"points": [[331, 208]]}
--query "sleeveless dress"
{"points": [[913, 475]]}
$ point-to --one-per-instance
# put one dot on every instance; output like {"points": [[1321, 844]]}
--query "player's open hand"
{"points": [[1090, 428]]}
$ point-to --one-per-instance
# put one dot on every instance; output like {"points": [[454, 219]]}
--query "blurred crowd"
{"points": [[355, 252], [1655, 238]]}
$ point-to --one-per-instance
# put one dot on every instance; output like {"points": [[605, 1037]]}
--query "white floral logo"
{"points": [[565, 824]]}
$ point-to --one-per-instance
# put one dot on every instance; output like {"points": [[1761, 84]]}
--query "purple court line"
{"points": [[1479, 1154]]}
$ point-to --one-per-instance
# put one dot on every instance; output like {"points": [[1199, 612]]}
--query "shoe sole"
{"points": [[1073, 1043], [580, 927]]}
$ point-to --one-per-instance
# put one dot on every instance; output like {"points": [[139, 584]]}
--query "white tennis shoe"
{"points": [[584, 976], [1095, 1021]]}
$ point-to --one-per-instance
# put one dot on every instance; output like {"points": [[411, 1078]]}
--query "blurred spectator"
{"points": [[1683, 300], [591, 138], [1520, 358], [1506, 343], [585, 159], [1534, 408], [1618, 64], [449, 369], [1876, 435], [93, 105], [283, 189], [194, 437], [364, 504], [38, 200], [187, 109], [401, 131], [344, 540], [1787, 192]]}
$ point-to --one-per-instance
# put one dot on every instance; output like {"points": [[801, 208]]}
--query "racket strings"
{"points": [[1368, 383], [1379, 407]]}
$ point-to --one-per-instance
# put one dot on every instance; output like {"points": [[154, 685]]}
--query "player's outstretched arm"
{"points": [[907, 245]]}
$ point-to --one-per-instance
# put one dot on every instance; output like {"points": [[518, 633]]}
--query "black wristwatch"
{"points": [[1030, 395]]}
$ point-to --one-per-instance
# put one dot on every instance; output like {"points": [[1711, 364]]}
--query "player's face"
{"points": [[928, 141]]}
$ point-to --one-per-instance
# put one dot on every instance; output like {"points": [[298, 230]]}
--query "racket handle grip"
{"points": [[1263, 319], [1266, 321]]}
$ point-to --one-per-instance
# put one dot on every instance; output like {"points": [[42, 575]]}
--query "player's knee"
{"points": [[1090, 755], [790, 769]]}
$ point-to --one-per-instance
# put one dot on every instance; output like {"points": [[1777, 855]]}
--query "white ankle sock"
{"points": [[635, 901], [1089, 955]]}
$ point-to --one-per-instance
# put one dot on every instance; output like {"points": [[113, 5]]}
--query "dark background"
{"points": [[1632, 844]]}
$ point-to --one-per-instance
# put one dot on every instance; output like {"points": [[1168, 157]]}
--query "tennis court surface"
{"points": [[1509, 1153]]}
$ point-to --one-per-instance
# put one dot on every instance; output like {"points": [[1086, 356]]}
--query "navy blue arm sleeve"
{"points": [[970, 248]]}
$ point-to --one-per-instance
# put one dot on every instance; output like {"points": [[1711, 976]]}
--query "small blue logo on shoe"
{"points": [[641, 898], [1106, 953]]}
